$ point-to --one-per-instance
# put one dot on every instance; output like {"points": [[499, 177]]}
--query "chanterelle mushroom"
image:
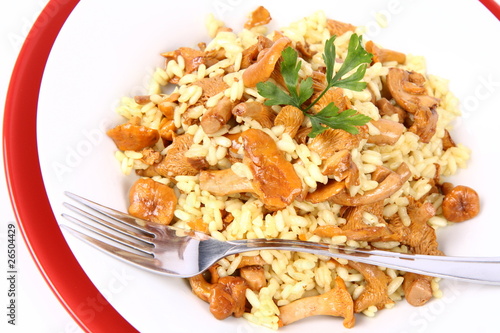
{"points": [[263, 114], [175, 162], [226, 296], [336, 302], [274, 179], [133, 137], [384, 55], [262, 69], [291, 118], [341, 196], [407, 88], [152, 201], [375, 292], [216, 117], [461, 203]]}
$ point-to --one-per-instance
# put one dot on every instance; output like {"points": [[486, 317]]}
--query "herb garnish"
{"points": [[299, 93]]}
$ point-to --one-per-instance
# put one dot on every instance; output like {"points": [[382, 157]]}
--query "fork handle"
{"points": [[485, 270]]}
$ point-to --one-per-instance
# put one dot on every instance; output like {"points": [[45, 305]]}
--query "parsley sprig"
{"points": [[298, 94]]}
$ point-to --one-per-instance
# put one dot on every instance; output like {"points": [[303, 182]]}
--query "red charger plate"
{"points": [[31, 206]]}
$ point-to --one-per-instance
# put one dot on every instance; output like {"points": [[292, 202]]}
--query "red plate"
{"points": [[31, 205]]}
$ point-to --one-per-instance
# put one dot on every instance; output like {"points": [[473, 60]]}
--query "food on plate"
{"points": [[307, 132]]}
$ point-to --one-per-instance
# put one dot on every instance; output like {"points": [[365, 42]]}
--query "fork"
{"points": [[183, 253]]}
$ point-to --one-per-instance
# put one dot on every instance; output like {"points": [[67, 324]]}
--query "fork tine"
{"points": [[141, 261], [129, 220], [143, 248], [127, 232]]}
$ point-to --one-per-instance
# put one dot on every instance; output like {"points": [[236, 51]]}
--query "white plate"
{"points": [[107, 50]]}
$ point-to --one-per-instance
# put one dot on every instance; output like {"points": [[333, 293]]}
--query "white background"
{"points": [[38, 310]]}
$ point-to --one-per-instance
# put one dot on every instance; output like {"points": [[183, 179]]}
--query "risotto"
{"points": [[219, 150]]}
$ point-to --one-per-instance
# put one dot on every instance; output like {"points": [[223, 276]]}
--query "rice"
{"points": [[292, 276]]}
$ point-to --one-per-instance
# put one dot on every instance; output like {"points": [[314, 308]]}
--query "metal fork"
{"points": [[181, 253]]}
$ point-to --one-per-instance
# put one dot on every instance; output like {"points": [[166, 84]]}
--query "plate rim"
{"points": [[25, 184]]}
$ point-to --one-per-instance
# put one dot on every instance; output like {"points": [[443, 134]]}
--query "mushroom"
{"points": [[262, 69], [274, 179], [263, 114], [224, 182], [304, 51], [174, 162], [407, 88], [254, 276], [291, 118], [417, 288], [390, 132], [384, 55], [341, 167], [217, 116], [333, 140], [335, 302], [133, 137], [338, 28], [386, 108], [249, 55], [461, 203], [152, 201], [447, 141], [260, 16], [226, 297], [335, 96], [211, 86], [356, 229], [341, 196], [375, 292], [421, 238]]}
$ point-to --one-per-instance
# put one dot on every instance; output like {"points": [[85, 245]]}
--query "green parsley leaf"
{"points": [[299, 92], [333, 118]]}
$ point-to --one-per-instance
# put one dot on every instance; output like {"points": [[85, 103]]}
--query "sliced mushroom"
{"points": [[386, 188], [407, 88], [263, 114], [262, 69], [133, 137], [461, 203], [387, 109], [384, 55], [291, 118], [224, 182], [260, 16], [390, 132], [335, 302], [152, 201], [338, 28], [217, 116], [375, 292], [274, 179]]}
